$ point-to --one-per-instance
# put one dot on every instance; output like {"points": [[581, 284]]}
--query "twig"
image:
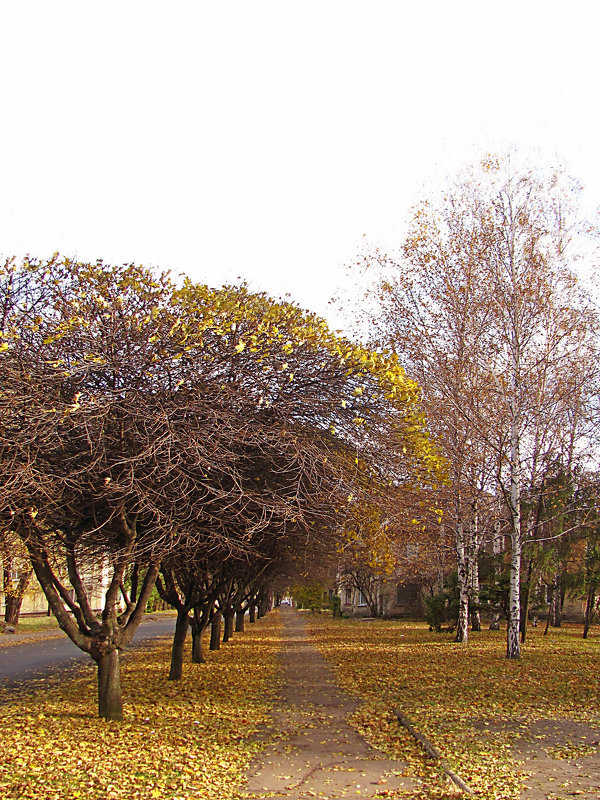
{"points": [[432, 752]]}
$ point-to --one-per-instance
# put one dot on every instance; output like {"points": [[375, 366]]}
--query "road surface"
{"points": [[23, 666]]}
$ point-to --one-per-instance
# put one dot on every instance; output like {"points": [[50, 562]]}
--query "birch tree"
{"points": [[432, 312], [542, 322], [483, 307]]}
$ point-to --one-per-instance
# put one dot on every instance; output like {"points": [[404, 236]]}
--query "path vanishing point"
{"points": [[316, 753]]}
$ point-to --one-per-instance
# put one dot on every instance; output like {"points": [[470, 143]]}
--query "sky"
{"points": [[272, 140]]}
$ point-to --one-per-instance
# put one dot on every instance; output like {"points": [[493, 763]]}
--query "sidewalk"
{"points": [[316, 753]]}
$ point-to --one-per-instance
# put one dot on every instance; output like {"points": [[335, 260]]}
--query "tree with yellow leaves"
{"points": [[136, 418]]}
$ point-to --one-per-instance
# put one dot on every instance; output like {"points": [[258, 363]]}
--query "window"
{"points": [[405, 595]]}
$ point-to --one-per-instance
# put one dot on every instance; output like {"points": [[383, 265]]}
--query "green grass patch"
{"points": [[33, 624]]}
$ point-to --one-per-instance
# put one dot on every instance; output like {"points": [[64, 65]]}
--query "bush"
{"points": [[335, 604], [311, 597], [442, 607]]}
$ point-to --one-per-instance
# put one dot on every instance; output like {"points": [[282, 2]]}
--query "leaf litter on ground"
{"points": [[470, 702], [179, 740]]}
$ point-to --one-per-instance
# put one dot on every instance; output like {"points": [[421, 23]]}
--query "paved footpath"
{"points": [[316, 753]]}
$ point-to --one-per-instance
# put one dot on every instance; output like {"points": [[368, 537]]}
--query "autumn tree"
{"points": [[483, 308], [430, 309], [85, 431], [135, 419], [366, 558], [16, 575], [377, 531], [186, 582], [591, 579], [346, 406], [542, 322], [109, 457], [584, 552]]}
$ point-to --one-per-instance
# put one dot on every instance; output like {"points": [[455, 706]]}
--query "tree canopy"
{"points": [[483, 307], [139, 420]]}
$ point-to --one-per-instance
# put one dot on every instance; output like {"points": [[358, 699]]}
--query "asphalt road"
{"points": [[27, 665]]}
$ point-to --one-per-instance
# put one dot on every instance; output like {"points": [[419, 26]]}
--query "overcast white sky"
{"points": [[263, 139]]}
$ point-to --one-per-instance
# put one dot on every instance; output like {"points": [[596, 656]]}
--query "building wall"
{"points": [[395, 600], [34, 600]]}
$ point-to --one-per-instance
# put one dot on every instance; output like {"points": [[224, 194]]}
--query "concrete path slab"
{"points": [[316, 752]]}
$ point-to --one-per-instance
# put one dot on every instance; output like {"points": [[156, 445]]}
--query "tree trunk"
{"points": [[264, 604], [589, 610], [525, 595], [473, 569], [497, 548], [78, 620], [200, 621], [462, 627], [13, 599], [547, 622], [495, 623], [555, 610], [178, 647], [524, 612], [513, 645], [197, 652], [12, 609], [474, 601], [228, 627], [110, 700], [215, 632], [252, 612], [239, 621]]}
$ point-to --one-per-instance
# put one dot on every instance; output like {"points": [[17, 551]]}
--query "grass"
{"points": [[35, 623], [31, 628], [41, 623], [468, 700], [179, 740]]}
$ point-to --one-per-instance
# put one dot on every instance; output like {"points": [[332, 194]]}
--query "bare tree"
{"points": [[135, 419]]}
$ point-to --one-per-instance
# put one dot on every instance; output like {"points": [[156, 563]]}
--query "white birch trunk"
{"points": [[462, 630], [513, 644], [474, 571]]}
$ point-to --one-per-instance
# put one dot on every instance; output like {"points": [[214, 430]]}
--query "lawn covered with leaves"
{"points": [[468, 700], [179, 740]]}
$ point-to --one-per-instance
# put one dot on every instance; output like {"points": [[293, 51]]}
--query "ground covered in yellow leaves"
{"points": [[480, 710], [492, 720], [179, 740]]}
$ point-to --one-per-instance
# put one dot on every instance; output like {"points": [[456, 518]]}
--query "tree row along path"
{"points": [[316, 753]]}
